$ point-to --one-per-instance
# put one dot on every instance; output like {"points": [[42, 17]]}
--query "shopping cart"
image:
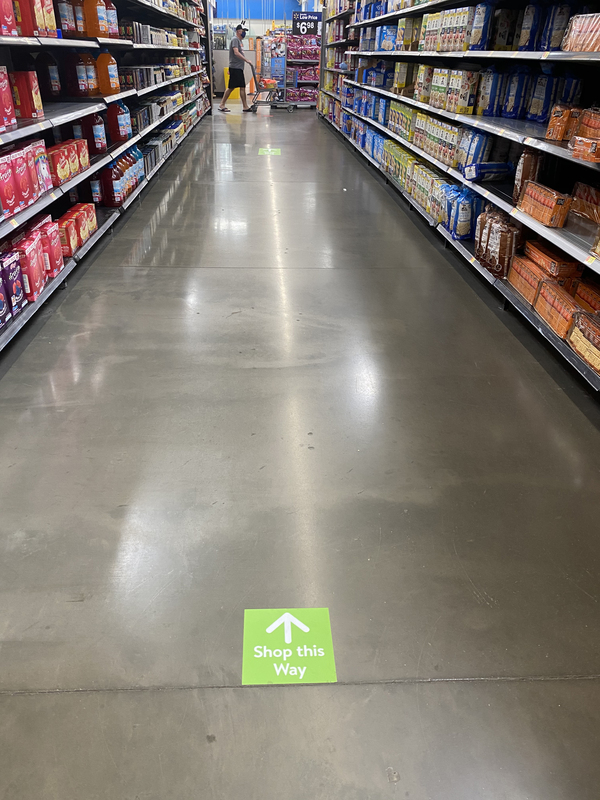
{"points": [[269, 88]]}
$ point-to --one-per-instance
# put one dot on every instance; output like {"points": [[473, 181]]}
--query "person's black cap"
{"points": [[241, 28]]}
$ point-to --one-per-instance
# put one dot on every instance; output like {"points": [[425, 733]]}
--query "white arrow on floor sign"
{"points": [[286, 620]]}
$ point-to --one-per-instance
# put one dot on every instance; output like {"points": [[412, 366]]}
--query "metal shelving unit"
{"points": [[64, 112], [478, 55], [465, 249]]}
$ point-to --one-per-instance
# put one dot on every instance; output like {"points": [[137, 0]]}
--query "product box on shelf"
{"points": [[8, 25], [26, 95], [5, 312], [32, 264], [8, 192], [8, 117], [58, 160], [23, 183], [52, 249], [30, 18], [68, 235], [584, 338], [12, 277]]}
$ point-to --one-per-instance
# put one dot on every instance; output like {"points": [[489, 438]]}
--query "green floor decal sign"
{"points": [[287, 645], [269, 151]]}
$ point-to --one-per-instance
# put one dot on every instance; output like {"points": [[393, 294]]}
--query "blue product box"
{"points": [[385, 38], [384, 111]]}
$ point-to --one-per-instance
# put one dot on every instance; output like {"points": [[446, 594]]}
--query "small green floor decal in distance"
{"points": [[287, 645], [269, 151]]}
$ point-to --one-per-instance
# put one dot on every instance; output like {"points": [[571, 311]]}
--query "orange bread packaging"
{"points": [[558, 122], [556, 306], [544, 204], [526, 277], [584, 338], [553, 262], [588, 297]]}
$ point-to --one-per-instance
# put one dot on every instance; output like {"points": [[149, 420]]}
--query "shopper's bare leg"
{"points": [[225, 98], [243, 96]]}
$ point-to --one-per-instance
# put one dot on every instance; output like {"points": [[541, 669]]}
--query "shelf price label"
{"points": [[306, 23]]}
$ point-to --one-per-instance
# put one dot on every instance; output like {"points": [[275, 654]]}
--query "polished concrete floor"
{"points": [[273, 388]]}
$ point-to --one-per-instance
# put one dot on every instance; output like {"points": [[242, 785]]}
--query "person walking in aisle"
{"points": [[237, 59]]}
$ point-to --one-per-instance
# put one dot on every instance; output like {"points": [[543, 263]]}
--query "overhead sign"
{"points": [[306, 22], [287, 645]]}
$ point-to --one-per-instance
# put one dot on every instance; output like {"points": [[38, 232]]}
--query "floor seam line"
{"points": [[384, 682]]}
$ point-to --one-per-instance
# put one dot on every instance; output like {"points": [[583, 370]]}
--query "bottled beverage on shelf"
{"points": [[95, 133], [112, 19], [108, 73], [46, 67], [126, 163], [79, 14], [96, 188], [96, 22], [76, 74], [92, 74], [111, 182], [139, 157], [119, 122], [65, 18]]}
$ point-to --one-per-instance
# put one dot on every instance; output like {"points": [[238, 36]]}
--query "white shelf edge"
{"points": [[475, 55]]}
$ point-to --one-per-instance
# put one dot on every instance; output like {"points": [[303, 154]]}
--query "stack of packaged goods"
{"points": [[25, 174]]}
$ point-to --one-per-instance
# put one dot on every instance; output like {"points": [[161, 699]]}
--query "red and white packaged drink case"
{"points": [[52, 248], [32, 264], [23, 186], [12, 278], [7, 105], [8, 194]]}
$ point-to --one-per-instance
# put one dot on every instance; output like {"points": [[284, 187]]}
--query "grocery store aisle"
{"points": [[273, 389]]}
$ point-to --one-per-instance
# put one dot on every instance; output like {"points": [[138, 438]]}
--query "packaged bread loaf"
{"points": [[528, 169], [589, 124], [544, 204], [586, 202], [558, 122], [526, 277], [582, 34], [500, 247], [552, 261], [573, 123], [556, 307], [585, 149], [584, 338], [588, 297]]}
